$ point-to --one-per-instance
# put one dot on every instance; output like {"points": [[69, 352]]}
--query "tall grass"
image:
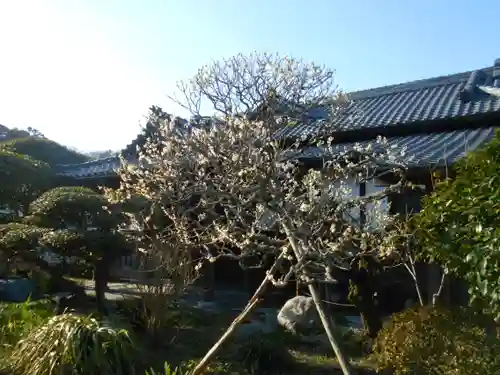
{"points": [[16, 319], [70, 344]]}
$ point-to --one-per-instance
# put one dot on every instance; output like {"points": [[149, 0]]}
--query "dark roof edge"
{"points": [[416, 85]]}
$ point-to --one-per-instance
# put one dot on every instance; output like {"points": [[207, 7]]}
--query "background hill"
{"points": [[33, 143]]}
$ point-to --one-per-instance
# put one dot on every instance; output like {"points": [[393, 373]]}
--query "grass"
{"points": [[16, 319]]}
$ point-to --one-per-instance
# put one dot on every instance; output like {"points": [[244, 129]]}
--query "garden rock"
{"points": [[299, 315]]}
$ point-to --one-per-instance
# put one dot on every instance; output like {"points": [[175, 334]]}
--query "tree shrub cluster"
{"points": [[436, 341]]}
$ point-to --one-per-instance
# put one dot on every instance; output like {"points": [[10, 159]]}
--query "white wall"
{"points": [[373, 210]]}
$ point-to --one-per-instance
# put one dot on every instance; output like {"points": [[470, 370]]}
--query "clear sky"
{"points": [[84, 72]]}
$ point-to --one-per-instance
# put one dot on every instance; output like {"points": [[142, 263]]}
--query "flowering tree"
{"points": [[230, 186]]}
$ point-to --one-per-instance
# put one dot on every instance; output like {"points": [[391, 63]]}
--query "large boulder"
{"points": [[299, 315]]}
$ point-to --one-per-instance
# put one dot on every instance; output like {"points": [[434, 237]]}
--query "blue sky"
{"points": [[84, 72]]}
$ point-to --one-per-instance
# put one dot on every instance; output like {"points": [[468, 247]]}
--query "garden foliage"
{"points": [[436, 341], [459, 225]]}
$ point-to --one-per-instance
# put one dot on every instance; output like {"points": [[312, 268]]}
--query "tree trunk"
{"points": [[325, 320], [371, 319], [330, 332], [362, 293], [361, 296]]}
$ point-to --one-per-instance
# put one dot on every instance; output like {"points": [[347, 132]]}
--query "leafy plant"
{"points": [[70, 344], [263, 353], [431, 341], [216, 368], [16, 319], [459, 225], [167, 370]]}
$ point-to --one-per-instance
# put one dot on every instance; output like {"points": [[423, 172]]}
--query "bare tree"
{"points": [[231, 185]]}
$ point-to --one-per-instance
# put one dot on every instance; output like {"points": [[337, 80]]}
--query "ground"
{"points": [[116, 290], [191, 339]]}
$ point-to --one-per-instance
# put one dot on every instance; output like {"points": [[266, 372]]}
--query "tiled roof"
{"points": [[433, 150], [91, 169], [458, 95], [463, 95], [436, 149]]}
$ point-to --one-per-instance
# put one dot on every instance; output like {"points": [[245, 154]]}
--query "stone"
{"points": [[299, 315]]}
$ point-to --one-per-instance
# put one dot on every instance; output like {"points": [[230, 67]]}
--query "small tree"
{"points": [[20, 242], [460, 224], [84, 225], [23, 179], [231, 186]]}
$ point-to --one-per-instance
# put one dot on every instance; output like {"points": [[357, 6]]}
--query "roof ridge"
{"points": [[415, 85]]}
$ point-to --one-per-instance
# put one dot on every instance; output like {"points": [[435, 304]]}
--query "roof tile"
{"points": [[436, 149], [399, 105]]}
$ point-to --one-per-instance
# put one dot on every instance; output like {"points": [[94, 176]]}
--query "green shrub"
{"points": [[16, 319], [459, 225], [266, 352], [437, 341], [70, 344], [356, 343]]}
